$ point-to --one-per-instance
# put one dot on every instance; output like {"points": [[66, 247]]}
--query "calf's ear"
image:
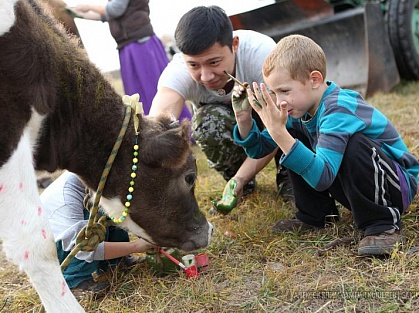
{"points": [[169, 148]]}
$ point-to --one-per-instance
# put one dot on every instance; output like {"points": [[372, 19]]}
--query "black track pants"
{"points": [[367, 184]]}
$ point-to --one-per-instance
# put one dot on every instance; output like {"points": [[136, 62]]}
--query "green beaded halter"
{"points": [[137, 106], [93, 233]]}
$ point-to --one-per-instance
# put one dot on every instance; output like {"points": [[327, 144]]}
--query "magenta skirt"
{"points": [[141, 66]]}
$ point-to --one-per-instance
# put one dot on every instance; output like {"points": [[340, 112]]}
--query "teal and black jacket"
{"points": [[341, 114]]}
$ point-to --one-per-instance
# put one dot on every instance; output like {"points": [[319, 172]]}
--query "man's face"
{"points": [[207, 68]]}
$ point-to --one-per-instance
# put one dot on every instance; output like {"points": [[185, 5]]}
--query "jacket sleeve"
{"points": [[258, 144]]}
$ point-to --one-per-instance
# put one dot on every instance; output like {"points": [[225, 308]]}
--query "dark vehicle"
{"points": [[369, 45]]}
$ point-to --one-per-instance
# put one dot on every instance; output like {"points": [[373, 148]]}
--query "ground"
{"points": [[253, 270]]}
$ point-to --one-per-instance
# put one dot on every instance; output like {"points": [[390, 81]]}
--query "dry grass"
{"points": [[252, 270]]}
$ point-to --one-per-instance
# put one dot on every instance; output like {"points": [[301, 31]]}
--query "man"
{"points": [[209, 48]]}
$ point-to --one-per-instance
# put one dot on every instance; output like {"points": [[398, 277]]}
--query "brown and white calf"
{"points": [[58, 112]]}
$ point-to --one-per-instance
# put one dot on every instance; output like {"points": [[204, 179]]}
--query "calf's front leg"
{"points": [[25, 231]]}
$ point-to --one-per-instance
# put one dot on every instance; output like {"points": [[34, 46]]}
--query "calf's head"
{"points": [[163, 208]]}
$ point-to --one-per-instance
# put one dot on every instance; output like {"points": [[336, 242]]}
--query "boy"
{"points": [[335, 146]]}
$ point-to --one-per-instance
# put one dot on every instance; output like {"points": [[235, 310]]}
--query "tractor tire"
{"points": [[403, 28]]}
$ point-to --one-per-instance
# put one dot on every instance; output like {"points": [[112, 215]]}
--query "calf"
{"points": [[58, 112]]}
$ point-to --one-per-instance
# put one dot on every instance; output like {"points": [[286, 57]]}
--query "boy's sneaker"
{"points": [[291, 225], [379, 244], [91, 287]]}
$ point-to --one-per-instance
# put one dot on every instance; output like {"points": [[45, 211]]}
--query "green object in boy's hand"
{"points": [[229, 199], [241, 103]]}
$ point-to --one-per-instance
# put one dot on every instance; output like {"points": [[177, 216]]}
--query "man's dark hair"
{"points": [[201, 27]]}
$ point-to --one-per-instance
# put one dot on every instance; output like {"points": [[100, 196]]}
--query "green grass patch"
{"points": [[253, 270]]}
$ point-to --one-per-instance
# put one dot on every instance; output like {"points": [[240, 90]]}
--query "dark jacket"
{"points": [[133, 25]]}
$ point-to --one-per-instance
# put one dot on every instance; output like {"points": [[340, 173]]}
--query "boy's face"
{"points": [[207, 68], [300, 97]]}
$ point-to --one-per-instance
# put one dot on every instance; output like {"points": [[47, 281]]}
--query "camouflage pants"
{"points": [[212, 129]]}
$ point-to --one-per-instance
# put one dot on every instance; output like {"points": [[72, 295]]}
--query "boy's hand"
{"points": [[272, 116], [242, 109], [240, 101]]}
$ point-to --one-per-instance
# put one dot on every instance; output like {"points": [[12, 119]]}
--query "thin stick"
{"points": [[244, 85]]}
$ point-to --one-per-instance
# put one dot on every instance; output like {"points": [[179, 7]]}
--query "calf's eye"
{"points": [[190, 179]]}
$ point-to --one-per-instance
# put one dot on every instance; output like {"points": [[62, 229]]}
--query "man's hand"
{"points": [[229, 199], [232, 194]]}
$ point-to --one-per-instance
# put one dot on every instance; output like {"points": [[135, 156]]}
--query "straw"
{"points": [[191, 271]]}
